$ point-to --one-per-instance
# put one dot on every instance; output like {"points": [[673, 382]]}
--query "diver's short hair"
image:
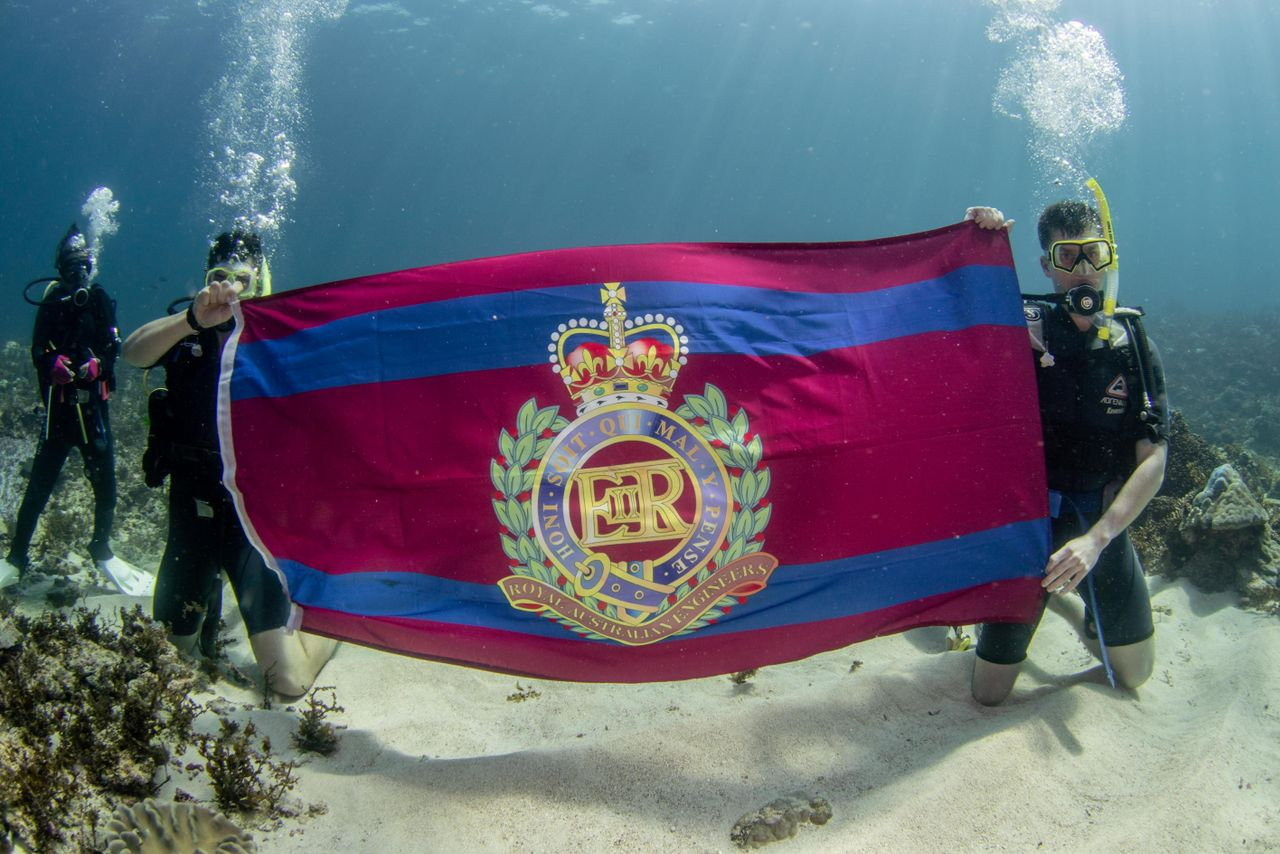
{"points": [[235, 246], [1069, 217]]}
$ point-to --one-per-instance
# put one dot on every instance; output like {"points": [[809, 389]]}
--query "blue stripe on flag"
{"points": [[796, 594], [492, 332]]}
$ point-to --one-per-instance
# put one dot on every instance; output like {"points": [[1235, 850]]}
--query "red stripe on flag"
{"points": [[854, 440]]}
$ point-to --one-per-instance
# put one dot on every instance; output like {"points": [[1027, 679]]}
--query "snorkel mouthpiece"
{"points": [[1083, 300]]}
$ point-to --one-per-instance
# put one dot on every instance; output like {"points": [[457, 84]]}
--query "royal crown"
{"points": [[618, 359]]}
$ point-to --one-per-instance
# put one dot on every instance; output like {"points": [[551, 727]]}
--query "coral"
{"points": [[314, 733], [778, 820], [151, 827], [1225, 504], [89, 715], [1219, 537]]}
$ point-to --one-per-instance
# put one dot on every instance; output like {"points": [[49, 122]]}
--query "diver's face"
{"points": [[1083, 273], [74, 271], [241, 274]]}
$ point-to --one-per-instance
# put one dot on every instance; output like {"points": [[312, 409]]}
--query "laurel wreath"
{"points": [[515, 471]]}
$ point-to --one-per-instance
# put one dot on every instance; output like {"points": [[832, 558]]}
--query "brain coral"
{"points": [[151, 827]]}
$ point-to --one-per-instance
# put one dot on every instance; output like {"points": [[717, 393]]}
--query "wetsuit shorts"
{"points": [[205, 540], [1124, 606]]}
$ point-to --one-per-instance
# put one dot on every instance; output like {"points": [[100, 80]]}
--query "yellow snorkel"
{"points": [[264, 279], [1110, 278]]}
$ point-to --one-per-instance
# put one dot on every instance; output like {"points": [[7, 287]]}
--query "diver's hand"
{"points": [[988, 218], [1070, 564], [212, 306], [90, 370], [60, 372]]}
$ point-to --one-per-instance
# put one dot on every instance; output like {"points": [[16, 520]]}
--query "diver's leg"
{"points": [[1124, 612], [1002, 647], [991, 682], [290, 659], [1133, 663], [186, 571], [50, 455], [100, 467]]}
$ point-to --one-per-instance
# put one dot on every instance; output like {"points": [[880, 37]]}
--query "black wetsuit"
{"points": [[1091, 405], [76, 414], [205, 535]]}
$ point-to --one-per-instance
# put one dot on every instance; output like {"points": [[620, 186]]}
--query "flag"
{"points": [[644, 463]]}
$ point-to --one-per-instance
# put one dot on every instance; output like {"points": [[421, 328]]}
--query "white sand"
{"points": [[435, 758]]}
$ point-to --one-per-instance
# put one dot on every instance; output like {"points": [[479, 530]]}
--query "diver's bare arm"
{"points": [[212, 306], [144, 347], [1069, 565], [1138, 490]]}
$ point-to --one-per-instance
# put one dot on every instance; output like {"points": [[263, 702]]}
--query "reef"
{"points": [[1217, 514], [89, 717], [1222, 372], [778, 820]]}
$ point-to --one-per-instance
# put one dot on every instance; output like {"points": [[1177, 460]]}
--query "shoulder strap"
{"points": [[1131, 320], [1034, 313]]}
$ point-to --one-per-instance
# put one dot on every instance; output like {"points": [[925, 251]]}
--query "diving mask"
{"points": [[1066, 255], [243, 275]]}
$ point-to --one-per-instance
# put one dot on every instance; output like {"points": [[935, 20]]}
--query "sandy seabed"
{"points": [[437, 758]]}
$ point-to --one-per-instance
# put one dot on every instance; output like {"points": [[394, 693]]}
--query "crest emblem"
{"points": [[632, 522]]}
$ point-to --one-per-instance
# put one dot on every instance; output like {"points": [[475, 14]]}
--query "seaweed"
{"points": [[89, 716], [523, 693], [315, 734], [244, 777]]}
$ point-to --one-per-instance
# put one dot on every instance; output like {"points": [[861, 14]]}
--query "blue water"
{"points": [[422, 132]]}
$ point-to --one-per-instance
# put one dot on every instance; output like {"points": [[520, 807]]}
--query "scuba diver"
{"points": [[1104, 418], [205, 535], [74, 348]]}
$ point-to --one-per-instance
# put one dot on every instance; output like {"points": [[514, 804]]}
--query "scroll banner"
{"points": [[646, 463]]}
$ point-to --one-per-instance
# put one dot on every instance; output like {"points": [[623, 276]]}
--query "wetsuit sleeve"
{"points": [[42, 356], [107, 336]]}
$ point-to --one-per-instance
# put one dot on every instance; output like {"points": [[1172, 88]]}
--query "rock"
{"points": [[1227, 541], [1225, 504], [779, 820]]}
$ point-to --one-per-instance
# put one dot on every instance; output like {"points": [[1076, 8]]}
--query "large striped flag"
{"points": [[641, 463]]}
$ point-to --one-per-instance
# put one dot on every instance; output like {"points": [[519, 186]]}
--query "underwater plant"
{"points": [[89, 716], [523, 693], [244, 777], [314, 734]]}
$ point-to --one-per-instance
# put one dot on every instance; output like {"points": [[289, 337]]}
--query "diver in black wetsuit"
{"points": [[74, 348], [205, 534], [1105, 422]]}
